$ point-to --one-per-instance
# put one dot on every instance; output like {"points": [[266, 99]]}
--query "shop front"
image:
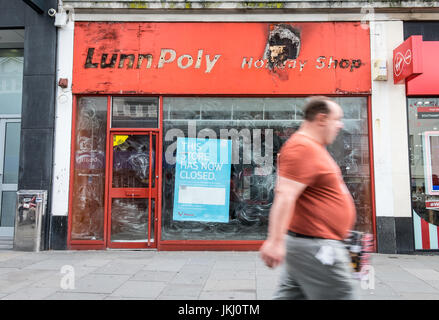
{"points": [[415, 65], [176, 127]]}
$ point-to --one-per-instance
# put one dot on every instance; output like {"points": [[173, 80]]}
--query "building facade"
{"points": [[27, 105], [171, 114]]}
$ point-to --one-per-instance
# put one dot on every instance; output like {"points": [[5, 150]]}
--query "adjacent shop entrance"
{"points": [[11, 89], [9, 153], [133, 190]]}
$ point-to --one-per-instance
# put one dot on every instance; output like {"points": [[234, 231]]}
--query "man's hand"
{"points": [[287, 191], [272, 252]]}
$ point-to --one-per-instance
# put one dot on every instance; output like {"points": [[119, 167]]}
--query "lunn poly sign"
{"points": [[221, 58]]}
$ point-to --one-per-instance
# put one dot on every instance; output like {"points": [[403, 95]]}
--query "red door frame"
{"points": [[149, 193], [237, 245], [103, 244]]}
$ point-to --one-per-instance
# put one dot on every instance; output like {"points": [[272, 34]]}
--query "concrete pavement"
{"points": [[187, 275]]}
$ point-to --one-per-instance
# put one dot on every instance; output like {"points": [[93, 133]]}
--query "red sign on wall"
{"points": [[221, 58], [426, 83], [407, 59]]}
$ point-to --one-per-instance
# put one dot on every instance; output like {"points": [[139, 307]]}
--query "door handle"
{"points": [[132, 194]]}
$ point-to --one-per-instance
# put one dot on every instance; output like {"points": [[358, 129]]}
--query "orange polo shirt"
{"points": [[325, 209]]}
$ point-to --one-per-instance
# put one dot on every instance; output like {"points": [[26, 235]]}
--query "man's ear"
{"points": [[321, 118]]}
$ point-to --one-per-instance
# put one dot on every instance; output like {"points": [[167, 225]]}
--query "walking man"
{"points": [[312, 212]]}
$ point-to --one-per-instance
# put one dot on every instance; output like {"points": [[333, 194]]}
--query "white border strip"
{"points": [[417, 230], [63, 122], [433, 236], [234, 17]]}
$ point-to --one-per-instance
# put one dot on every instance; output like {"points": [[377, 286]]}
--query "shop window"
{"points": [[131, 161], [423, 116], [135, 112], [257, 128], [11, 79], [129, 220], [89, 169]]}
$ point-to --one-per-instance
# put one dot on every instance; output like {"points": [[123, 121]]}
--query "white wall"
{"points": [[389, 120], [63, 122]]}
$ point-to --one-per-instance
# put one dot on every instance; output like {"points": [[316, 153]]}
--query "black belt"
{"points": [[299, 235]]}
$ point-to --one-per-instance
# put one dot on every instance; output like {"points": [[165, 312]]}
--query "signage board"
{"points": [[407, 59], [202, 180], [221, 58]]}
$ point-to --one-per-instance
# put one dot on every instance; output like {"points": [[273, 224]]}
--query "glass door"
{"points": [[133, 190], [9, 156]]}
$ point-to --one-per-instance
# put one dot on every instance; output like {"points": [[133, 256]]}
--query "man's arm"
{"points": [[286, 194]]}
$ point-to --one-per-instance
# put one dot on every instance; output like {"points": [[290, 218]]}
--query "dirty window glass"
{"points": [[89, 169], [135, 112], [11, 80], [257, 127], [423, 123]]}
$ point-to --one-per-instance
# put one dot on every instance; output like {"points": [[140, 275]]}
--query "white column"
{"points": [[389, 122], [63, 122]]}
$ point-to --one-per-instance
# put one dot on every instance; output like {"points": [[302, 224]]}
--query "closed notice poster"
{"points": [[202, 180]]}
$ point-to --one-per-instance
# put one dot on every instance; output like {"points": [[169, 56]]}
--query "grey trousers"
{"points": [[316, 269]]}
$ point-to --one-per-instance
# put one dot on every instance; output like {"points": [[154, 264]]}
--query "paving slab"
{"points": [[394, 273], [191, 291], [10, 286], [123, 298], [119, 267], [30, 294], [165, 264], [140, 289], [4, 271], [194, 278], [411, 287], [164, 297], [9, 254], [99, 283], [235, 265], [231, 274], [19, 262], [434, 284], [227, 295], [266, 283], [423, 273], [159, 276], [25, 276], [419, 296], [49, 264], [264, 294], [227, 285], [75, 296], [379, 290]]}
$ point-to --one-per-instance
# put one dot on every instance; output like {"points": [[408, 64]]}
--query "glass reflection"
{"points": [[135, 112], [258, 128], [131, 159], [423, 115], [129, 220], [89, 169], [11, 80]]}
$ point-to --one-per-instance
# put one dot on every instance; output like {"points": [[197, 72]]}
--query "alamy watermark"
{"points": [[68, 280], [247, 140], [367, 278]]}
